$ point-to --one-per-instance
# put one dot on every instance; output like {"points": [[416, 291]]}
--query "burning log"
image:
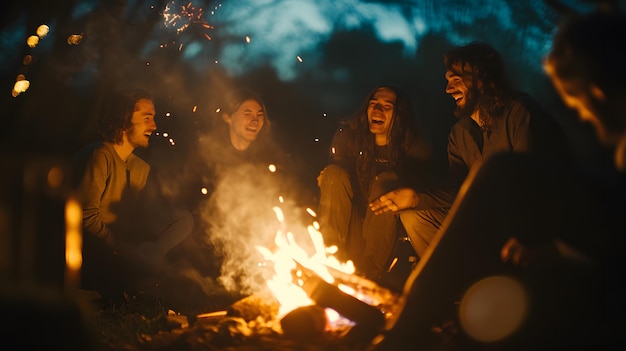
{"points": [[260, 305], [328, 295], [369, 319]]}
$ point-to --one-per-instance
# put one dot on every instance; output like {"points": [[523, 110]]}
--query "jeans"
{"points": [[422, 225], [346, 220]]}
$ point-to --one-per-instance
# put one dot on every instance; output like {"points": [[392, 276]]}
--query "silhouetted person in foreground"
{"points": [[554, 233]]}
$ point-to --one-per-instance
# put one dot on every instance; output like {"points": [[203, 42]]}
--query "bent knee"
{"points": [[334, 174]]}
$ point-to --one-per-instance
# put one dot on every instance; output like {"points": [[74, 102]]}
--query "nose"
{"points": [[449, 88], [378, 106]]}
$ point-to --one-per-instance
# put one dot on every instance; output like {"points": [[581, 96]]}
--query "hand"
{"points": [[396, 200], [524, 256], [320, 177]]}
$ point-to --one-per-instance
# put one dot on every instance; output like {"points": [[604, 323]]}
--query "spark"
{"points": [[185, 16], [299, 58]]}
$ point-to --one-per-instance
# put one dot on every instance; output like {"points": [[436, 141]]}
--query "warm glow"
{"points": [[21, 86], [272, 168], [74, 39], [32, 41], [42, 30], [73, 242], [288, 256], [55, 177]]}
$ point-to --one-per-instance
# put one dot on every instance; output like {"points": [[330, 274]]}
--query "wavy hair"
{"points": [[117, 111], [481, 64]]}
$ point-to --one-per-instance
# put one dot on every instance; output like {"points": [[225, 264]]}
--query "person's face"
{"points": [[142, 124], [380, 113], [461, 90], [245, 124], [580, 100]]}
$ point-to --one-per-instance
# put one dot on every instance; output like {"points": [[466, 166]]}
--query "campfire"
{"points": [[310, 296]]}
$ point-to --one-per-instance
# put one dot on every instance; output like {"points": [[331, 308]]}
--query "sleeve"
{"points": [[91, 189], [518, 126], [340, 153], [417, 168], [444, 195]]}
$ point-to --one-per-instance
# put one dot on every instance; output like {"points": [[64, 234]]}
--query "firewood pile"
{"points": [[251, 323]]}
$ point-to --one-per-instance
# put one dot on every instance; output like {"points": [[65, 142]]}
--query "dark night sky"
{"points": [[312, 61]]}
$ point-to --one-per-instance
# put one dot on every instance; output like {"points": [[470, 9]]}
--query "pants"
{"points": [[422, 225], [346, 220]]}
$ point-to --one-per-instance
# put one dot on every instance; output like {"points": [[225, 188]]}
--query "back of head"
{"points": [[587, 54], [116, 113], [587, 49]]}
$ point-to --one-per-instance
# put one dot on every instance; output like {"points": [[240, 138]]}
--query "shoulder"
{"points": [[463, 124], [419, 148], [95, 152], [137, 162], [525, 105]]}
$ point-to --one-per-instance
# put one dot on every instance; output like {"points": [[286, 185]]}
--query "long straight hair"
{"points": [[403, 130]]}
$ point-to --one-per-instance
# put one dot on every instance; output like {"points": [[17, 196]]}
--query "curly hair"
{"points": [[483, 66], [403, 130], [117, 111]]}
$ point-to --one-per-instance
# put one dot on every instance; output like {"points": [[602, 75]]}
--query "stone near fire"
{"points": [[304, 323]]}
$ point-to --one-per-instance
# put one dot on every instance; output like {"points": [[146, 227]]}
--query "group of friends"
{"points": [[513, 198]]}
